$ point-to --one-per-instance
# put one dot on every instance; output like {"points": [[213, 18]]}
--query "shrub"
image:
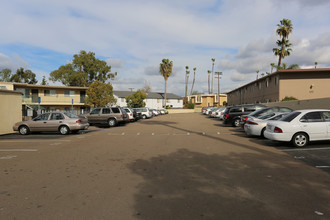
{"points": [[191, 105], [289, 98]]}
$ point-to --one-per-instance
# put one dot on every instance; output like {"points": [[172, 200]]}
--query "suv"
{"points": [[145, 112], [232, 114], [107, 115]]}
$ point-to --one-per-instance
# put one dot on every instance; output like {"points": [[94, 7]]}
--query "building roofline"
{"points": [[283, 71], [44, 86]]}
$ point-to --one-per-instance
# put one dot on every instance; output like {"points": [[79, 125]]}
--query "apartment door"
{"points": [[35, 95]]}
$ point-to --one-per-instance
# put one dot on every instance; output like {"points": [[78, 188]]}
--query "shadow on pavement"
{"points": [[192, 185]]}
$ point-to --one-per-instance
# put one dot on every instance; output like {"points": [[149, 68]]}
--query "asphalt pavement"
{"points": [[179, 166]]}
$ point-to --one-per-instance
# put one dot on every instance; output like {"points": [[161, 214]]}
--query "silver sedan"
{"points": [[63, 122]]}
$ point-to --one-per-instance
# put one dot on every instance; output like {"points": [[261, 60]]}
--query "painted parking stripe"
{"points": [[18, 150], [306, 149], [34, 141], [8, 157], [322, 166]]}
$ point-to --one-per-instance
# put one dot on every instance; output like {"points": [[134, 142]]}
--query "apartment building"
{"points": [[153, 100], [302, 84], [49, 98], [208, 100]]}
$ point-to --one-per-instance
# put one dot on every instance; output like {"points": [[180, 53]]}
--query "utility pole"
{"points": [[219, 74]]}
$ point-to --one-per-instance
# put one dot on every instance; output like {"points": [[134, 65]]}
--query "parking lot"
{"points": [[179, 166]]}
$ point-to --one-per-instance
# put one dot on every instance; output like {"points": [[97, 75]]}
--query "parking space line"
{"points": [[8, 157], [17, 150], [306, 149], [33, 141], [322, 166]]}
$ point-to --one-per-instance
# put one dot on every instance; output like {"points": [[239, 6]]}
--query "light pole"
{"points": [[219, 74]]}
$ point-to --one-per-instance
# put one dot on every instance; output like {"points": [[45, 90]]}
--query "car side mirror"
{"points": [[303, 120]]}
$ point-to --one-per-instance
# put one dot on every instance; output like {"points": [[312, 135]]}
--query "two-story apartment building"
{"points": [[153, 100], [49, 98], [208, 100], [299, 83]]}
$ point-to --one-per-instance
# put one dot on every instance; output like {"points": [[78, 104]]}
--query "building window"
{"points": [[276, 80], [68, 93], [199, 99], [48, 92], [157, 100], [259, 86], [267, 82]]}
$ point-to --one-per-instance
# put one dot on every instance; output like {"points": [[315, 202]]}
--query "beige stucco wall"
{"points": [[305, 88], [10, 110]]}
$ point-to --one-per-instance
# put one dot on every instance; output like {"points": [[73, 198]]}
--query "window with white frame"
{"points": [[68, 93], [199, 99], [276, 80], [267, 82], [49, 92]]}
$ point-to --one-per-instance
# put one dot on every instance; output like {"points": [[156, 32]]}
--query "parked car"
{"points": [[300, 127], [263, 111], [137, 115], [215, 112], [232, 114], [257, 125], [110, 116], [130, 114], [63, 122], [145, 113]]}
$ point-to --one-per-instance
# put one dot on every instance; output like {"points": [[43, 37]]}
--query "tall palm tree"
{"points": [[186, 81], [283, 30], [315, 64], [272, 65], [257, 74], [165, 69], [283, 51], [193, 83], [209, 72], [213, 60]]}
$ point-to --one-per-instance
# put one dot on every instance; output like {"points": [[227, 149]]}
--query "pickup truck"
{"points": [[110, 116]]}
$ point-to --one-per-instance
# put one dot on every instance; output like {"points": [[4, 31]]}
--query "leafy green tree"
{"points": [[283, 30], [100, 94], [5, 75], [136, 100], [44, 81], [24, 76], [83, 71], [165, 69]]}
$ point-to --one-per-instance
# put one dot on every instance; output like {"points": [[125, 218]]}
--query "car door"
{"points": [[40, 123], [105, 115], [54, 121], [314, 125], [326, 117], [94, 116]]}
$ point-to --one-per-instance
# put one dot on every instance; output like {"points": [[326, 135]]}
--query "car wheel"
{"points": [[262, 132], [64, 130], [112, 122], [144, 116], [236, 122], [24, 130], [300, 140]]}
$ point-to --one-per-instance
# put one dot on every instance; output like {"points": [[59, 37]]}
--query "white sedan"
{"points": [[257, 126], [300, 127]]}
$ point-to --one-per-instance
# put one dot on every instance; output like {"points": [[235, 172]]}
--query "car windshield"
{"points": [[70, 115], [289, 117], [266, 116]]}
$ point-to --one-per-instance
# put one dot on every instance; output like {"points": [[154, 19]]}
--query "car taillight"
{"points": [[121, 116], [217, 113], [227, 115], [278, 130], [251, 123], [244, 119], [78, 121], [131, 114]]}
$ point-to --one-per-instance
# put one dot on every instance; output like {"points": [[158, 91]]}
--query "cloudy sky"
{"points": [[133, 36]]}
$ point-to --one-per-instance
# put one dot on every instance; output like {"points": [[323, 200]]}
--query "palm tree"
{"points": [[283, 51], [283, 30], [257, 74], [193, 83], [213, 60], [272, 65], [186, 81], [294, 66], [165, 69], [315, 64], [209, 72]]}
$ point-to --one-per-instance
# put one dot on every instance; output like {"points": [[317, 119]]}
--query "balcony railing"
{"points": [[63, 100]]}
